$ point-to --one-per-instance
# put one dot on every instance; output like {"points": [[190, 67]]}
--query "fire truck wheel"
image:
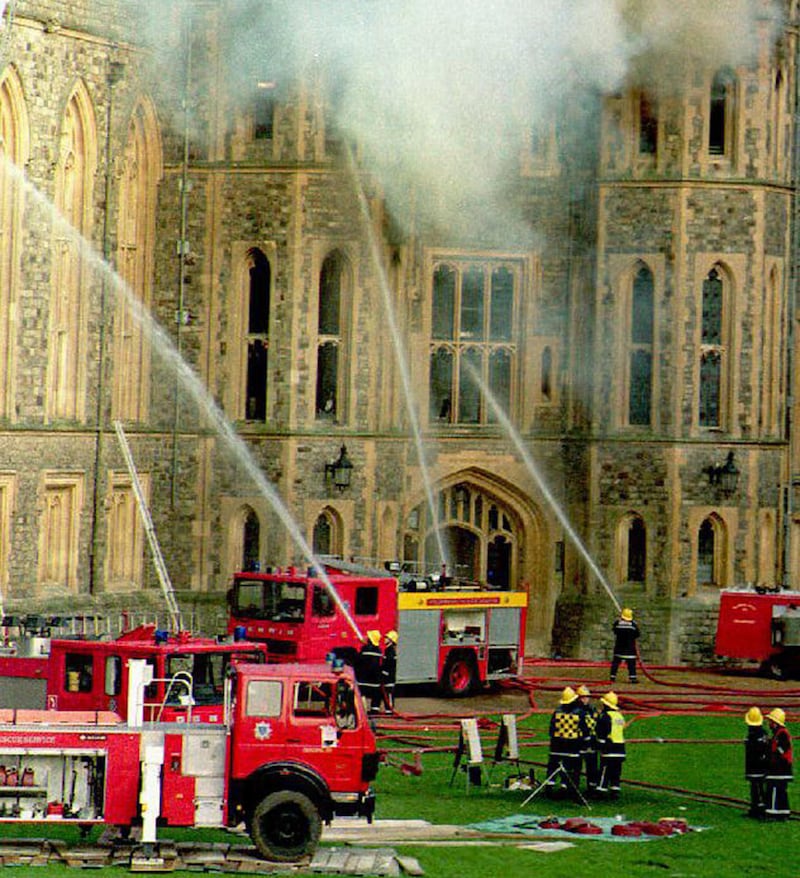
{"points": [[458, 677], [286, 826]]}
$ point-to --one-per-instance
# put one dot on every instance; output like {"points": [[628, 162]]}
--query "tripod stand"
{"points": [[559, 770]]}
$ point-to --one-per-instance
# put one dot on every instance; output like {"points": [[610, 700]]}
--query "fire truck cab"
{"points": [[294, 749], [92, 674]]}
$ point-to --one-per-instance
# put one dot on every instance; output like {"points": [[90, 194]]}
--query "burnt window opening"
{"points": [[264, 111], [472, 332], [546, 380], [648, 126], [719, 113], [258, 315]]}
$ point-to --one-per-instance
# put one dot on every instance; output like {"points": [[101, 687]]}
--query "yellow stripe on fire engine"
{"points": [[479, 600]]}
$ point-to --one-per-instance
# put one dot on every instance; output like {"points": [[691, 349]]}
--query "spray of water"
{"points": [[400, 357], [544, 488], [187, 377]]}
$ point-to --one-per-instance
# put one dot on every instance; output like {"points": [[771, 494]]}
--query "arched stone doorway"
{"points": [[476, 531]]}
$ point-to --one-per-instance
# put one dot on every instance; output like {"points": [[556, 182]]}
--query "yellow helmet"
{"points": [[583, 690], [753, 717], [777, 716], [374, 637], [391, 636], [610, 700], [568, 695], [627, 614]]}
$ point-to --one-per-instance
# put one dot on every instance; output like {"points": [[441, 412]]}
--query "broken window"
{"points": [[719, 113], [264, 111], [648, 126]]}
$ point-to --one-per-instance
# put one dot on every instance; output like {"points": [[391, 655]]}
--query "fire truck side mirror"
{"points": [[229, 597]]}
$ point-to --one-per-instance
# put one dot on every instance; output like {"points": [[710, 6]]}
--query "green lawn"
{"points": [[731, 846]]}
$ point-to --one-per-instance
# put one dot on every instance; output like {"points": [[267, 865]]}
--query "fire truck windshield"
{"points": [[269, 600], [207, 671]]}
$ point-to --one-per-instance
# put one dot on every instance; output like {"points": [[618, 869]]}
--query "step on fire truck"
{"points": [[761, 625], [294, 748], [82, 672], [459, 637]]}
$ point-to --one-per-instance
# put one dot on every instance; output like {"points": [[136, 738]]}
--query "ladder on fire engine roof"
{"points": [[147, 521]]}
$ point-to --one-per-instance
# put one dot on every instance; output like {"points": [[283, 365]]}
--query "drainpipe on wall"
{"points": [[115, 73]]}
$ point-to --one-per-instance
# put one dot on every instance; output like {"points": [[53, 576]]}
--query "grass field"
{"points": [[730, 845]]}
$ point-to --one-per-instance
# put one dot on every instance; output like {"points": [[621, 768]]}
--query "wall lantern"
{"points": [[725, 476], [340, 470]]}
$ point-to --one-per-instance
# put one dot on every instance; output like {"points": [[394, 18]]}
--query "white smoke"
{"points": [[439, 92]]}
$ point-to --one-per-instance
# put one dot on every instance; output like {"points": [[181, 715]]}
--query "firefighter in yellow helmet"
{"points": [[589, 742], [756, 752], [389, 670], [567, 732], [626, 633], [610, 732], [368, 671], [779, 767]]}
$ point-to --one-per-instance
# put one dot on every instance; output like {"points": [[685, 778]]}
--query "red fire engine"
{"points": [[457, 637], [82, 673], [762, 626], [294, 749]]}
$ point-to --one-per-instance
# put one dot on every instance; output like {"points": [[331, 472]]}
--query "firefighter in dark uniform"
{"points": [[389, 670], [779, 767], [368, 671], [610, 732], [626, 633], [567, 731], [589, 742], [756, 755]]}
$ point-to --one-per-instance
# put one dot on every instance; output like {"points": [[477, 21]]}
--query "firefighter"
{"points": [[368, 671], [610, 732], [626, 632], [779, 767], [589, 742], [567, 731], [756, 752], [389, 670]]}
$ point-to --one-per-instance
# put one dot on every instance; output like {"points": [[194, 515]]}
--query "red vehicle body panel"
{"points": [[319, 627], [84, 674], [744, 624]]}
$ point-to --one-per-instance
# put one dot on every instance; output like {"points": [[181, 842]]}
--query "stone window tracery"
{"points": [[141, 170], [713, 351], [74, 177], [479, 533], [333, 289], [473, 328]]}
